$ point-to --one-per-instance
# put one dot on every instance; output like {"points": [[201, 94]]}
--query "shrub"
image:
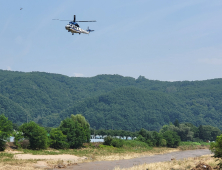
{"points": [[163, 142], [105, 146], [141, 138], [172, 139], [117, 143], [58, 139], [18, 138], [25, 143], [107, 140], [6, 129], [149, 142], [2, 145], [37, 135], [216, 148]]}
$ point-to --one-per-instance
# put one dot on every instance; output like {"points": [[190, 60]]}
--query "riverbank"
{"points": [[140, 162], [93, 152]]}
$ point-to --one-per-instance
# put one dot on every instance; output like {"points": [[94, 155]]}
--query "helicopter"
{"points": [[73, 26]]}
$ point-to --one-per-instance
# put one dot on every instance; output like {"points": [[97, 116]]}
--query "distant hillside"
{"points": [[133, 109], [12, 110], [48, 98], [128, 109]]}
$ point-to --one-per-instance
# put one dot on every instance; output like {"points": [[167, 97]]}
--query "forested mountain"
{"points": [[131, 109], [13, 110], [109, 101], [128, 109]]}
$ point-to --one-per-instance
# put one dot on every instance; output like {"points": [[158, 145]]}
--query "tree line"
{"points": [[185, 132], [71, 133]]}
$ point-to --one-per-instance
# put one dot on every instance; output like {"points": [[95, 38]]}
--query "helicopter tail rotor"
{"points": [[89, 30]]}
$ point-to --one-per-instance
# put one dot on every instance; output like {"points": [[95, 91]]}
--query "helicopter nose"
{"points": [[67, 26]]}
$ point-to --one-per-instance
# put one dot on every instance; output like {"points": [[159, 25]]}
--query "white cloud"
{"points": [[78, 74]]}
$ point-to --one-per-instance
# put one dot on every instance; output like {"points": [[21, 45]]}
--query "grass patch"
{"points": [[40, 152], [7, 158], [99, 149], [135, 143], [193, 145]]}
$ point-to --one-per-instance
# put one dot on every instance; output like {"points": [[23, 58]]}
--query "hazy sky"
{"points": [[162, 40]]}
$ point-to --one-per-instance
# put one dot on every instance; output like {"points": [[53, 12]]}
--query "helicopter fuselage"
{"points": [[74, 28]]}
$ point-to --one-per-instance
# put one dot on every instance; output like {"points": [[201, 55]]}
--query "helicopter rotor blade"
{"points": [[71, 20], [87, 21], [74, 20]]}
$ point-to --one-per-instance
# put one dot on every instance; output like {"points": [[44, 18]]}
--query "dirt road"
{"points": [[126, 163]]}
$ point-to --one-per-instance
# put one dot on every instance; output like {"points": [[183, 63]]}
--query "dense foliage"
{"points": [[76, 133], [57, 139], [115, 142], [216, 148], [5, 131], [167, 138], [36, 135], [172, 139], [109, 101], [183, 131], [132, 109]]}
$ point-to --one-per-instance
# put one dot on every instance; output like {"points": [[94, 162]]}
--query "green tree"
{"points": [[58, 139], [156, 139], [143, 133], [74, 131], [18, 138], [107, 140], [15, 126], [182, 130], [84, 124], [6, 129], [117, 143], [201, 132], [172, 139], [176, 123], [102, 132], [216, 148], [37, 135]]}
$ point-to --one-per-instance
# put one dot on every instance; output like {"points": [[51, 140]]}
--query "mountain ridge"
{"points": [[46, 96]]}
